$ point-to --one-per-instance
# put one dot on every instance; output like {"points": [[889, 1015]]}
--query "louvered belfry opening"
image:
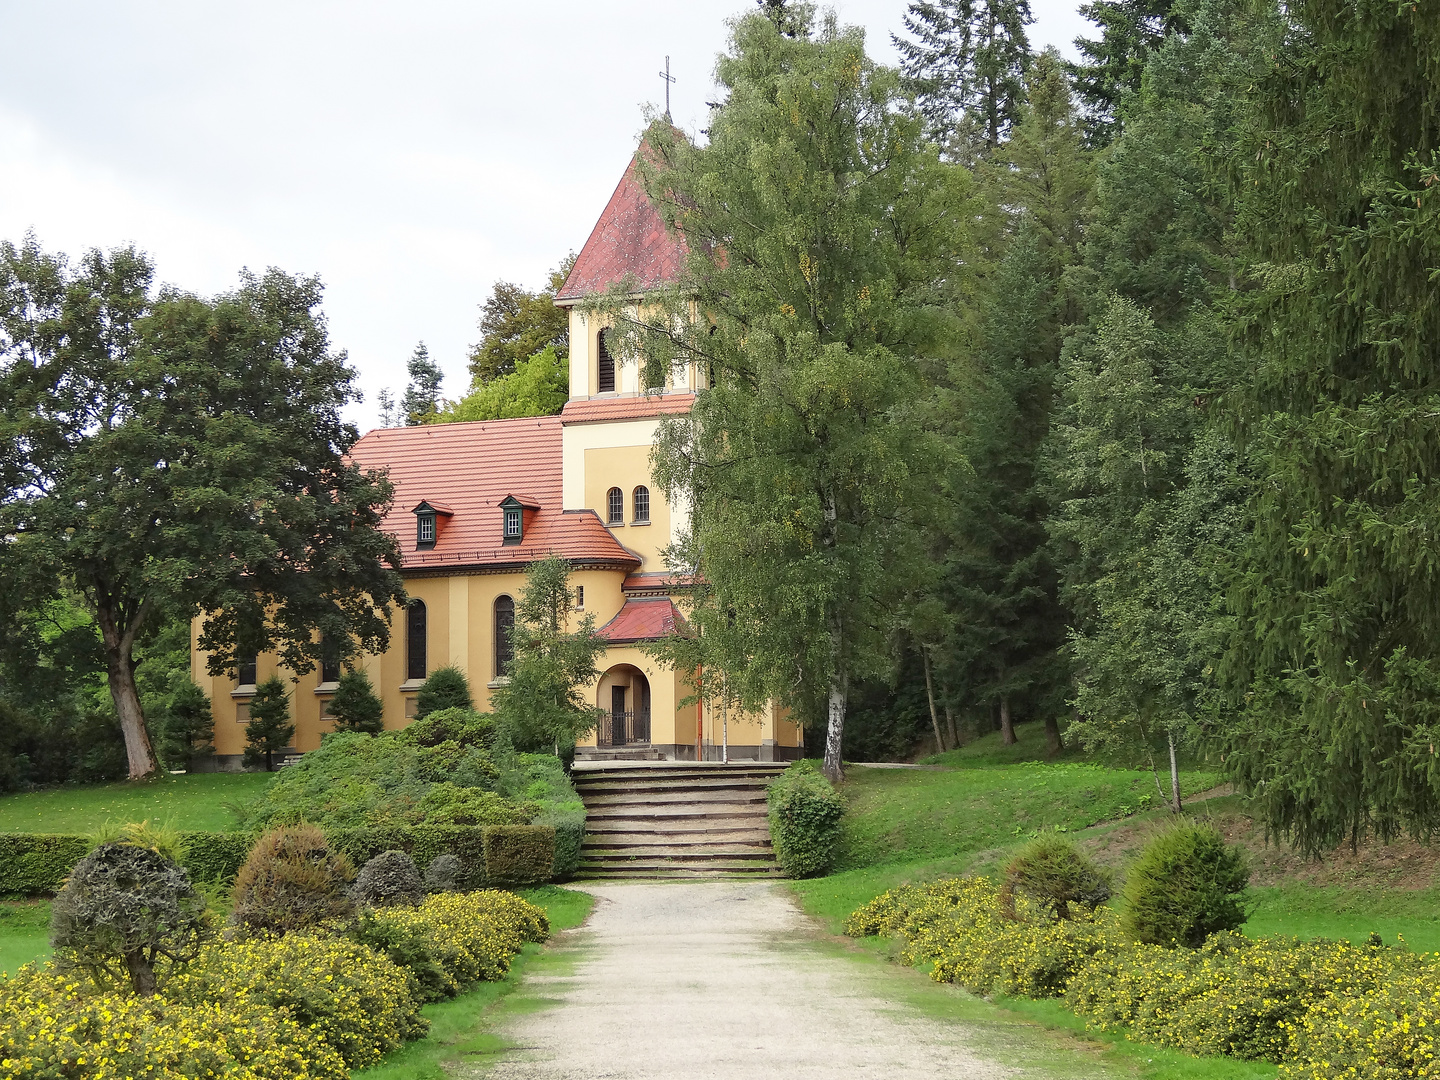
{"points": [[605, 383]]}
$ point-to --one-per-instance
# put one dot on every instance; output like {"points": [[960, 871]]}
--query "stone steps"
{"points": [[676, 820]]}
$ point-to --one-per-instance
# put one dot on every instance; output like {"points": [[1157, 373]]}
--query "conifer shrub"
{"points": [[443, 873], [127, 916], [519, 854], [444, 688], [355, 706], [270, 728], [1053, 873], [805, 813], [389, 878], [292, 880], [457, 724], [1186, 885]]}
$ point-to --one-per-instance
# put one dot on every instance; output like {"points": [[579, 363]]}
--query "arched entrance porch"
{"points": [[624, 696]]}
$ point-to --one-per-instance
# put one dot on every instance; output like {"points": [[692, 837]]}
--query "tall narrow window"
{"points": [[642, 504], [512, 524], [615, 507], [245, 676], [330, 664], [415, 632], [504, 623], [425, 530], [606, 365]]}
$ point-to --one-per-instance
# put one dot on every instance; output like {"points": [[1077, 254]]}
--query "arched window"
{"points": [[606, 365], [615, 507], [641, 504], [504, 623], [415, 631]]}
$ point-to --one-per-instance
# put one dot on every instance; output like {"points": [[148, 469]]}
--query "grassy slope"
{"points": [[458, 1028], [198, 801]]}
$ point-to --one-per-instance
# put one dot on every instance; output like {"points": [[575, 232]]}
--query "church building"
{"points": [[476, 503]]}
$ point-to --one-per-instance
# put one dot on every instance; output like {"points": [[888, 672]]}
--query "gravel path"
{"points": [[719, 979]]}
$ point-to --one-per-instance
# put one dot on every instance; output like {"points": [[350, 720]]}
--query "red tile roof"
{"points": [[629, 240], [625, 407], [643, 620], [470, 469], [655, 582]]}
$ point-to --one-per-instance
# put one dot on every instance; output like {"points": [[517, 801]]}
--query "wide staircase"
{"points": [[676, 819]]}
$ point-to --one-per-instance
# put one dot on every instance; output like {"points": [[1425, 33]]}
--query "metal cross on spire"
{"points": [[668, 80]]}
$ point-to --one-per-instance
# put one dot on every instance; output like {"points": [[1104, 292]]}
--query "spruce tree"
{"points": [[965, 60], [355, 706], [1337, 656], [1130, 30], [270, 728], [422, 394]]}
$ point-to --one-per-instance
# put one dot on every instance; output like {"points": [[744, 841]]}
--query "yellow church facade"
{"points": [[476, 503]]}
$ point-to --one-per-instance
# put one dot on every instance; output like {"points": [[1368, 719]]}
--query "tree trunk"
{"points": [[950, 723], [1007, 726], [940, 746], [120, 667], [142, 974], [1174, 776], [834, 767], [1053, 742]]}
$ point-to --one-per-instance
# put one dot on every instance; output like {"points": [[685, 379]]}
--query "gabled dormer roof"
{"points": [[629, 241]]}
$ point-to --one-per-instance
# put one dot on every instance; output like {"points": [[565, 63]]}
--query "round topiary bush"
{"points": [[1186, 885], [389, 878], [127, 914], [443, 873], [292, 880], [1053, 873], [805, 813]]}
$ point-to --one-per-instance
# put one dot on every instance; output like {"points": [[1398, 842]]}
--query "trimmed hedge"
{"points": [[37, 864], [805, 813], [519, 854]]}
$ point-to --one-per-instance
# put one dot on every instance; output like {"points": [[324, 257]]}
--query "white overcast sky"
{"points": [[408, 153]]}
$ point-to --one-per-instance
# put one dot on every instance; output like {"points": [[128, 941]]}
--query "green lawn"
{"points": [[195, 801], [24, 933], [459, 1031], [909, 815]]}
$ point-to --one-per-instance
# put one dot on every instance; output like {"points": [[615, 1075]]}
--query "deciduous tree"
{"points": [[165, 453], [515, 324]]}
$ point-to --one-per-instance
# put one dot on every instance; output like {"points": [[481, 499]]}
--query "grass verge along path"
{"points": [[459, 1028], [193, 802]]}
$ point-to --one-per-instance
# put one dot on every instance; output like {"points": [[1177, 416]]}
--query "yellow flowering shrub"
{"points": [[1387, 1033], [1325, 1010], [454, 939], [356, 1001], [53, 1026]]}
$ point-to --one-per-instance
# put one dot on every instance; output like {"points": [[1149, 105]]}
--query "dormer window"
{"points": [[513, 519], [427, 523]]}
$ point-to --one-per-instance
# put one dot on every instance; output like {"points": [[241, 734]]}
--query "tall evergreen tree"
{"points": [[1337, 657], [422, 393], [270, 729], [1130, 30], [806, 463], [965, 60]]}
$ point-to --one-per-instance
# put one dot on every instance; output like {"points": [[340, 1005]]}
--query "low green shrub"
{"points": [[541, 780], [423, 843], [36, 864], [464, 726], [127, 916], [389, 878], [357, 1001], [805, 813], [1053, 873], [215, 857], [1391, 1032], [55, 1026], [291, 881], [519, 854], [455, 939], [1186, 885], [443, 873]]}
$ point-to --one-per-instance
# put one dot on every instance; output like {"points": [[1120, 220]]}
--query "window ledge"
{"points": [[495, 684], [614, 524], [634, 524], [243, 690], [327, 688], [411, 685]]}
